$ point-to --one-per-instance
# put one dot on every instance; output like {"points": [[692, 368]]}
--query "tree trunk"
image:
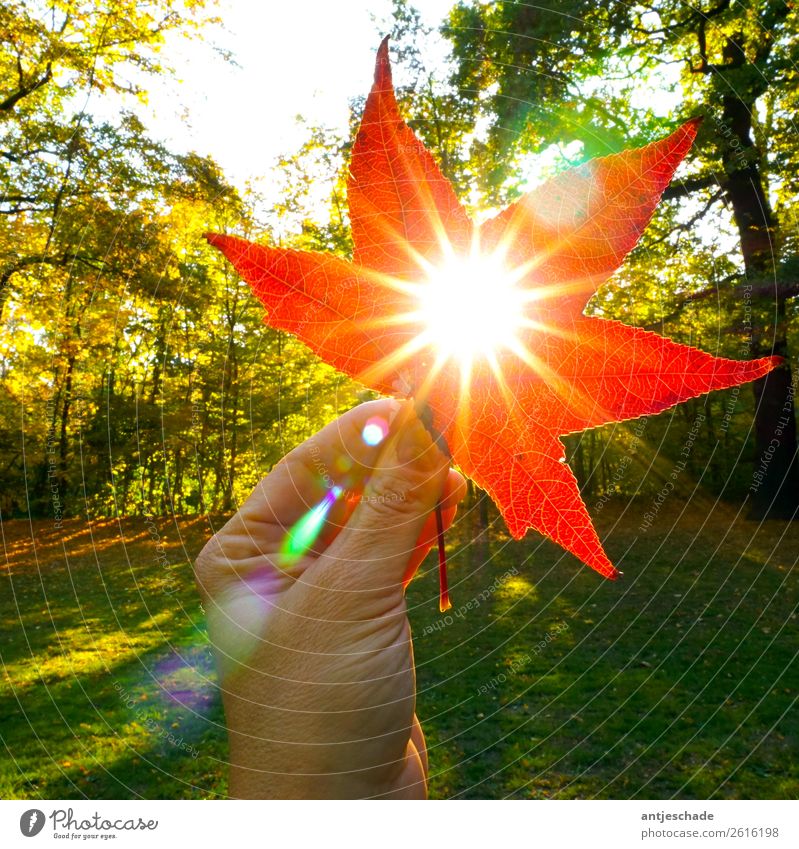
{"points": [[483, 513], [775, 485], [63, 439], [177, 488], [234, 433]]}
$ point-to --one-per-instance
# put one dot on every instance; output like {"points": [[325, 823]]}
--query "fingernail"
{"points": [[394, 407]]}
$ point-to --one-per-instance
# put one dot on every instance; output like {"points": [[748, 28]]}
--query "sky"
{"points": [[292, 57]]}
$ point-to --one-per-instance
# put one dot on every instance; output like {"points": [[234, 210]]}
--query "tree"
{"points": [[571, 76], [84, 227], [135, 375]]}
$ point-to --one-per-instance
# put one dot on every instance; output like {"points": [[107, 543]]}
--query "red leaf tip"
{"points": [[383, 65], [212, 238], [691, 126]]}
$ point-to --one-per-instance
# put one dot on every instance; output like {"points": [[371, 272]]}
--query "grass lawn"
{"points": [[679, 680]]}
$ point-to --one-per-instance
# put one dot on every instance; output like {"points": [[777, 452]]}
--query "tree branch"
{"points": [[775, 291], [26, 88], [681, 188], [688, 225], [696, 15]]}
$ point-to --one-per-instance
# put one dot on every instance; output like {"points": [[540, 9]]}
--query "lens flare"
{"points": [[375, 430], [305, 531]]}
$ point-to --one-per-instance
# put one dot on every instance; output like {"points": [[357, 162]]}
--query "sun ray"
{"points": [[511, 402], [391, 363], [566, 389], [428, 382], [468, 309]]}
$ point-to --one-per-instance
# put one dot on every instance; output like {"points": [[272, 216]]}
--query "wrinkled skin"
{"points": [[315, 654]]}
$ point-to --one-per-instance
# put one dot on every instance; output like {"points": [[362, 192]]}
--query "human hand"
{"points": [[313, 646]]}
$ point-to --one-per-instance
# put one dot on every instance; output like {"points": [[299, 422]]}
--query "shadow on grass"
{"points": [[544, 680], [109, 687], [679, 680], [151, 728]]}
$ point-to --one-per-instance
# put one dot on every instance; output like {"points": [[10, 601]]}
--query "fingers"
{"points": [[334, 460], [372, 553], [389, 524], [454, 493], [340, 455]]}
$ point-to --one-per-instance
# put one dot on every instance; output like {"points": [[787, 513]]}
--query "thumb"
{"points": [[374, 548]]}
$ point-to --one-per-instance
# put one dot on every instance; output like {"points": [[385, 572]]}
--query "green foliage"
{"points": [[136, 375], [136, 378], [716, 267]]}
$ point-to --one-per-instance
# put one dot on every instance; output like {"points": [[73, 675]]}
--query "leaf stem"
{"points": [[444, 602]]}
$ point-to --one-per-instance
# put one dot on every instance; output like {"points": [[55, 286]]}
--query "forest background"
{"points": [[136, 377]]}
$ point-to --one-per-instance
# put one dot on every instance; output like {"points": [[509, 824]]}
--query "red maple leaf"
{"points": [[501, 408]]}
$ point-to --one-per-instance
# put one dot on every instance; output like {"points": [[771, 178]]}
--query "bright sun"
{"points": [[471, 307]]}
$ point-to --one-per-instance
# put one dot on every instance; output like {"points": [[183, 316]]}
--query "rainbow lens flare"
{"points": [[305, 531], [375, 430]]}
